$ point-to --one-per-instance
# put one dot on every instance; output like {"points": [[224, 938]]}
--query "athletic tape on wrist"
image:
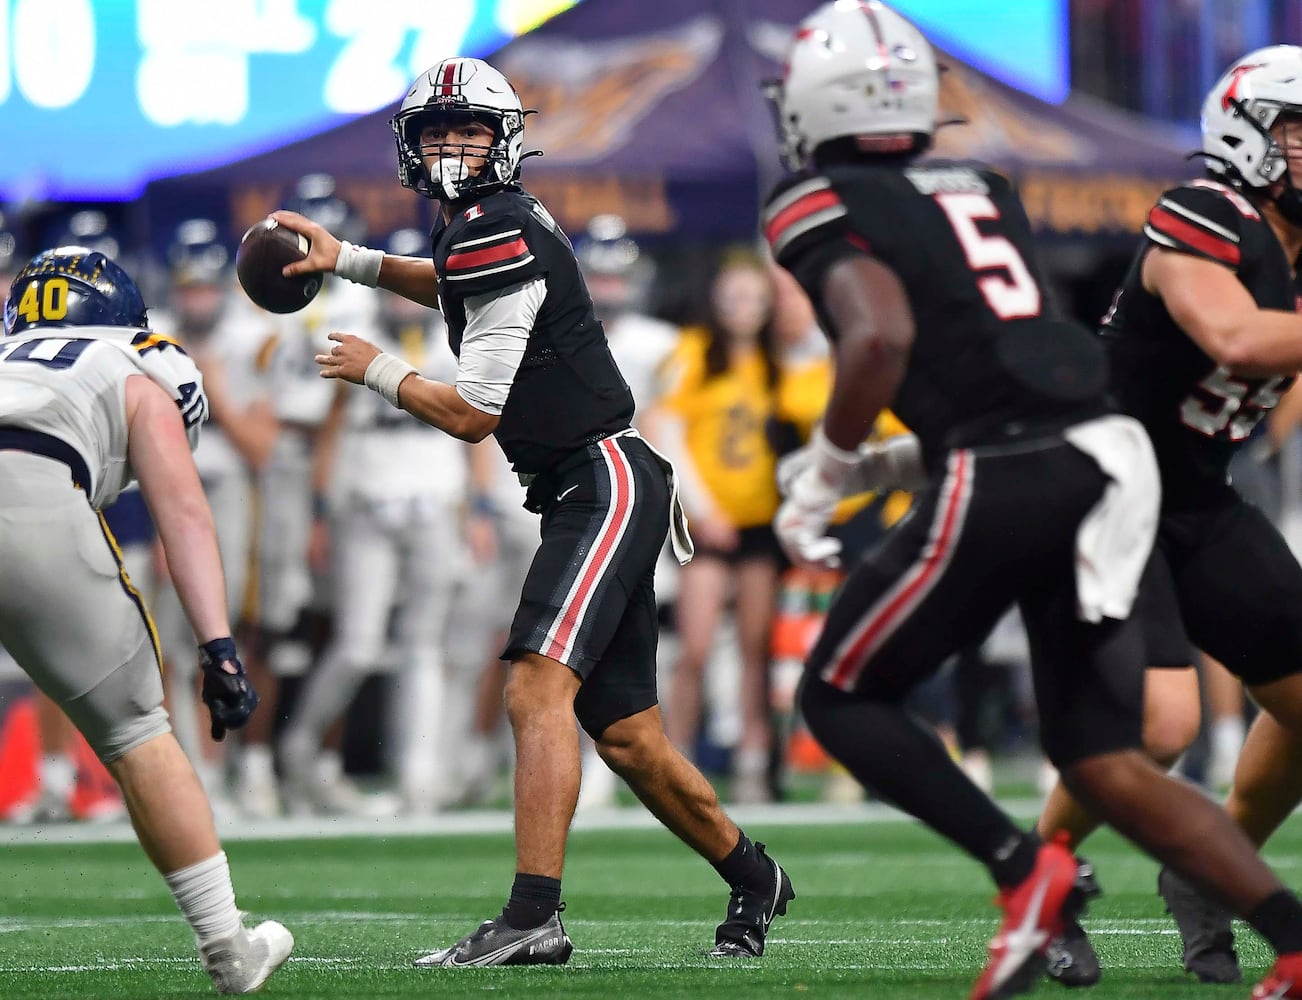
{"points": [[385, 373], [359, 264]]}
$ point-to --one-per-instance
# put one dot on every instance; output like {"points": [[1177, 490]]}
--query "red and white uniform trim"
{"points": [[486, 255], [894, 607], [1173, 225], [805, 207], [564, 630]]}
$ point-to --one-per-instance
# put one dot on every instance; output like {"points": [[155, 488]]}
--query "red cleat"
{"points": [[1035, 912], [1283, 980]]}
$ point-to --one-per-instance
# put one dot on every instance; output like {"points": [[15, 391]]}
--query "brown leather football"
{"points": [[264, 250]]}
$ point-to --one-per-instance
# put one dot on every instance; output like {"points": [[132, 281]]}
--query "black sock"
{"points": [[1279, 921], [1014, 860], [534, 898], [744, 866], [895, 756]]}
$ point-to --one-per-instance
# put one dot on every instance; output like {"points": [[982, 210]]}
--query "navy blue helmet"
{"points": [[73, 286], [197, 255]]}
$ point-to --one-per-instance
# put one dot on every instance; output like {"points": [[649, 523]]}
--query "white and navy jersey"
{"points": [[1196, 412], [565, 390], [299, 394], [233, 344], [642, 347], [385, 455], [991, 353], [69, 383]]}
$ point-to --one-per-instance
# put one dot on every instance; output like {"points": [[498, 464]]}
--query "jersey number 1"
{"points": [[1016, 296]]}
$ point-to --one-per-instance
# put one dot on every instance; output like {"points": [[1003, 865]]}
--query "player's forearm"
{"points": [[440, 405], [194, 563], [1264, 344], [411, 277], [869, 371]]}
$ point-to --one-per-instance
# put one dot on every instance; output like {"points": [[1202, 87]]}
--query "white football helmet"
{"points": [[460, 86], [855, 68], [1241, 109]]}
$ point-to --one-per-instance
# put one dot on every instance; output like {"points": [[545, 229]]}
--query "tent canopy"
{"points": [[653, 111]]}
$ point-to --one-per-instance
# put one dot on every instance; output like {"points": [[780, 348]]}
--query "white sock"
{"points": [[204, 893], [58, 775], [329, 766], [256, 765], [1227, 737]]}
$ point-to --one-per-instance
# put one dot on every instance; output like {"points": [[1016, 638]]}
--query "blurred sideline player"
{"points": [[619, 276], [1206, 339], [534, 369], [922, 274], [222, 340], [90, 398], [395, 490], [721, 390], [292, 591]]}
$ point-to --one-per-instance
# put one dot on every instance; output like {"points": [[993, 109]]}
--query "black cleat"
{"points": [[750, 913], [496, 942], [1205, 930], [1072, 959]]}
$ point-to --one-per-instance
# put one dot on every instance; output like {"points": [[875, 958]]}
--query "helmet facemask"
{"points": [[1274, 167], [451, 178]]}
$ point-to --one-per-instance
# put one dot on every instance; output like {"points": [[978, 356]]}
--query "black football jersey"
{"points": [[991, 354], [567, 391], [1195, 411]]}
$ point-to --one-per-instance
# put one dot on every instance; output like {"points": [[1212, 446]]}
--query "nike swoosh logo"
{"points": [[1024, 940], [564, 493]]}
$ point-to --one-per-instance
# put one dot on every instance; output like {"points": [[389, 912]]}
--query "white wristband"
{"points": [[359, 264], [834, 464], [385, 373]]}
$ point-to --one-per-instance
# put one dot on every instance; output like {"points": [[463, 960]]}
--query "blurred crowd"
{"points": [[373, 560]]}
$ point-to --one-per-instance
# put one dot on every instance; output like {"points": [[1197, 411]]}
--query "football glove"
{"points": [[893, 464], [226, 689], [801, 522]]}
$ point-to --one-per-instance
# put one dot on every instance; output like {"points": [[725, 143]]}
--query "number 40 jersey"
{"points": [[1196, 412], [991, 355]]}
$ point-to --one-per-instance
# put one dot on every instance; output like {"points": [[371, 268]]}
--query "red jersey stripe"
{"points": [[799, 209], [599, 557], [845, 673], [1195, 236], [490, 255]]}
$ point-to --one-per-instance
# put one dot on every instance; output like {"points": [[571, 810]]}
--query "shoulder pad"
{"points": [[800, 207], [1202, 218]]}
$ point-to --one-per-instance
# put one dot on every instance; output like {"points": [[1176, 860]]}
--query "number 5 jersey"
{"points": [[1196, 412], [991, 358]]}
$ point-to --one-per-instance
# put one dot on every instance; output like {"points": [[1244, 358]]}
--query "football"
{"points": [[264, 250]]}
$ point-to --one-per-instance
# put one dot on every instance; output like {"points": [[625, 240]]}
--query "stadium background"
{"points": [[155, 111]]}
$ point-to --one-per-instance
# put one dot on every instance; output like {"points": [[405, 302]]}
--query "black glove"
{"points": [[229, 696]]}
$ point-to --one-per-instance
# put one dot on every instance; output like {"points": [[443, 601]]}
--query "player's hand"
{"points": [[348, 359], [324, 253], [226, 689], [801, 522]]}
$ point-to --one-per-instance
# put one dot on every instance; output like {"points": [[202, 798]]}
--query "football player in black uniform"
{"points": [[923, 275], [534, 370], [1205, 338]]}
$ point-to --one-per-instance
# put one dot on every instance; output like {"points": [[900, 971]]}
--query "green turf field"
{"points": [[884, 910]]}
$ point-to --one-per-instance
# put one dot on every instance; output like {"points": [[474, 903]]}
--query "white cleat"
{"points": [[243, 962]]}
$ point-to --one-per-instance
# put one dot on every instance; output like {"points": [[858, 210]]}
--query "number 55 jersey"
{"points": [[1196, 412], [991, 357]]}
